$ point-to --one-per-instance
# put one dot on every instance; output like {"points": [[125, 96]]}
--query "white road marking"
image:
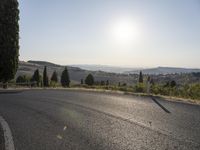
{"points": [[9, 144], [65, 127], [59, 137]]}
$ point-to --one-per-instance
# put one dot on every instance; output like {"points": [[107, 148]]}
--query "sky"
{"points": [[128, 33]]}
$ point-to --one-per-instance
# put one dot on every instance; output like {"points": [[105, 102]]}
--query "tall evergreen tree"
{"points": [[140, 77], [82, 81], [36, 77], [65, 81], [45, 77], [107, 82], [89, 80], [54, 77], [9, 39]]}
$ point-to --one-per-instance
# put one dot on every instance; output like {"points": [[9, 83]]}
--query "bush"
{"points": [[89, 80], [21, 79], [140, 88]]}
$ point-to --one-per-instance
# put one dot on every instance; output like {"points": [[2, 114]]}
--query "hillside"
{"points": [[163, 70], [105, 68], [161, 75], [76, 74]]}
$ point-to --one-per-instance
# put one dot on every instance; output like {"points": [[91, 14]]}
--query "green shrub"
{"points": [[140, 88]]}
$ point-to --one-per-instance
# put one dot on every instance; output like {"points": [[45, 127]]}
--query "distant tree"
{"points": [[82, 81], [124, 84], [9, 39], [167, 84], [140, 77], [65, 81], [119, 84], [148, 79], [54, 77], [152, 81], [21, 79], [139, 88], [107, 82], [89, 80], [97, 83], [45, 78], [102, 83], [196, 74], [36, 77], [173, 83]]}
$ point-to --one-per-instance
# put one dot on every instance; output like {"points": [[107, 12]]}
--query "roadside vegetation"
{"points": [[9, 39], [9, 52], [145, 85]]}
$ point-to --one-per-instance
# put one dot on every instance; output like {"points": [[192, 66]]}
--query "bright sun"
{"points": [[125, 31]]}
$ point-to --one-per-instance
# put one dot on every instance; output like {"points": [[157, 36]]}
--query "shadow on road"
{"points": [[10, 91], [165, 109]]}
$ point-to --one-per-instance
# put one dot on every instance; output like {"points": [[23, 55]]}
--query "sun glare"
{"points": [[125, 31]]}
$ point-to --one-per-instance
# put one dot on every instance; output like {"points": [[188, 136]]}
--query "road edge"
{"points": [[166, 98], [9, 143]]}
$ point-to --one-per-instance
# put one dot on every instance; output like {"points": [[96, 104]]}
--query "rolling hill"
{"points": [[76, 74], [163, 70], [160, 74]]}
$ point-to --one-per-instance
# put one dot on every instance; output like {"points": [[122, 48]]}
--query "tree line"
{"points": [[44, 81], [9, 53]]}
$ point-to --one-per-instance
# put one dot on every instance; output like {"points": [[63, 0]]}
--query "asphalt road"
{"points": [[64, 120]]}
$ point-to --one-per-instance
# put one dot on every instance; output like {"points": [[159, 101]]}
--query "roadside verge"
{"points": [[167, 98], [7, 135], [2, 141]]}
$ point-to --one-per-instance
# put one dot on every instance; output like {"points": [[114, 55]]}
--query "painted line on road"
{"points": [[9, 144]]}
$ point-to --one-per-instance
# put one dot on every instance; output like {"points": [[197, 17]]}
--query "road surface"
{"points": [[64, 120]]}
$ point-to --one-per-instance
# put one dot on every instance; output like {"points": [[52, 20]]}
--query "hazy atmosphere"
{"points": [[111, 32], [99, 75]]}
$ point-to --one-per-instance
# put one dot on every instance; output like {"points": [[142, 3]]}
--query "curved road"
{"points": [[61, 119]]}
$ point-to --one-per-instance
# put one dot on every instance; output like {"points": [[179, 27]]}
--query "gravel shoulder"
{"points": [[2, 146], [166, 98]]}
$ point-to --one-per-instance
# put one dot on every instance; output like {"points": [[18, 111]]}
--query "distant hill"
{"points": [[160, 74], [76, 73], [44, 63], [105, 68], [163, 70]]}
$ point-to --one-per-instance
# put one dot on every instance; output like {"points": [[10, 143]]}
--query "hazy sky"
{"points": [[137, 33]]}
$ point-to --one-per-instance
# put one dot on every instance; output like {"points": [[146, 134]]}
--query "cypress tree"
{"points": [[45, 77], [82, 81], [36, 77], [107, 82], [140, 77], [9, 39], [65, 81], [54, 77], [89, 80]]}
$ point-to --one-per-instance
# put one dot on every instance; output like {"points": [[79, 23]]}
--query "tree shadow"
{"points": [[165, 109], [10, 91]]}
